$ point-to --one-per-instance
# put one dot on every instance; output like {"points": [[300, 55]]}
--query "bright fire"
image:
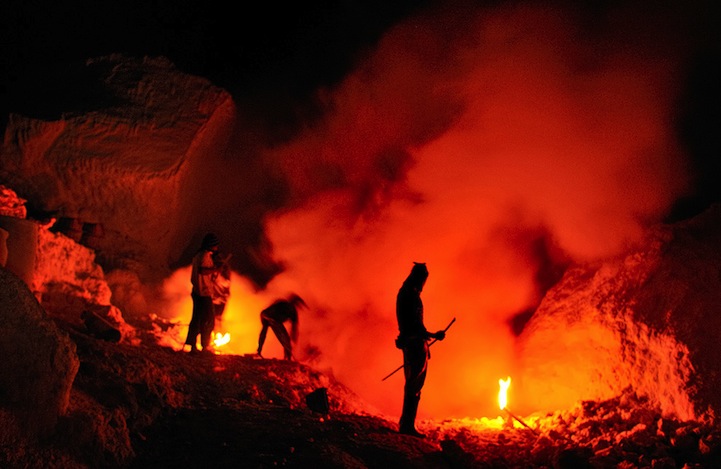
{"points": [[221, 339], [240, 320], [503, 392]]}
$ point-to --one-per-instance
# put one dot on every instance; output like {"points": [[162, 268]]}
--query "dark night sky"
{"points": [[278, 51], [271, 56]]}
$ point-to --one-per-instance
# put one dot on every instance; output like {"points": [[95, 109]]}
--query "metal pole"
{"points": [[429, 344], [520, 421]]}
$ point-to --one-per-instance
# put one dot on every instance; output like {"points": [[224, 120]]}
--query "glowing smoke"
{"points": [[461, 142]]}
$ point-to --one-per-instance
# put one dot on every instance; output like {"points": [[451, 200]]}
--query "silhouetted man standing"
{"points": [[202, 277], [413, 340]]}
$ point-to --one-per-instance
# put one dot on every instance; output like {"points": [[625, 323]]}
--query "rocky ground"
{"points": [[143, 405]]}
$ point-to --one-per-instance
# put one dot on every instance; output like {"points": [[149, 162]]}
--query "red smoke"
{"points": [[459, 133]]}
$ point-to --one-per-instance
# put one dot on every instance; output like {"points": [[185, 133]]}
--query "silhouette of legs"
{"points": [[415, 367], [201, 322], [280, 332]]}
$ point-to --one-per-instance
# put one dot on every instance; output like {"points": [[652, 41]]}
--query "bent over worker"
{"points": [[275, 316], [413, 340]]}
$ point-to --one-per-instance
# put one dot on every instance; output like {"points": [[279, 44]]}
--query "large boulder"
{"points": [[649, 321], [39, 360], [125, 167]]}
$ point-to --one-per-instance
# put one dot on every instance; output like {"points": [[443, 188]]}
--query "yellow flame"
{"points": [[221, 339], [503, 392]]}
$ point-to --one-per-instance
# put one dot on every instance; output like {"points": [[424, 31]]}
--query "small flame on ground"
{"points": [[221, 339], [503, 392]]}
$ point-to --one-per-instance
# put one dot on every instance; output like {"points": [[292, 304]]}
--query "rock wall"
{"points": [[121, 164], [649, 322]]}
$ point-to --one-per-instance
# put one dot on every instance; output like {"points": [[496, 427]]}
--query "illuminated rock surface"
{"points": [[124, 162], [634, 337], [647, 321]]}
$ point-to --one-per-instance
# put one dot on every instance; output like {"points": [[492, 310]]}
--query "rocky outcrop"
{"points": [[61, 273], [648, 321], [39, 360], [122, 164], [70, 284]]}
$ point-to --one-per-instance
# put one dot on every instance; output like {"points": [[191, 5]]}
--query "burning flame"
{"points": [[503, 392], [221, 339]]}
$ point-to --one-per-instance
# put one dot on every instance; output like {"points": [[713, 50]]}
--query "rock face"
{"points": [[60, 272], [649, 321], [39, 360], [123, 165], [134, 164]]}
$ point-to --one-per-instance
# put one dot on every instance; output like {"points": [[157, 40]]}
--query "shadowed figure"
{"points": [[413, 340], [275, 316], [221, 291], [203, 276]]}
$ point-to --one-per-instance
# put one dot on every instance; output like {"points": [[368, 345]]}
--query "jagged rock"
{"points": [[10, 204], [39, 360], [66, 279], [648, 321]]}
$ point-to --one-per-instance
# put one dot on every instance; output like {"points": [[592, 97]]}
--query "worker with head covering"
{"points": [[413, 340]]}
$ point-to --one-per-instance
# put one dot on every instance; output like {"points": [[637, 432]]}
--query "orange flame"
{"points": [[503, 392], [221, 339]]}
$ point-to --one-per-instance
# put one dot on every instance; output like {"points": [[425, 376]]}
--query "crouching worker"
{"points": [[275, 316]]}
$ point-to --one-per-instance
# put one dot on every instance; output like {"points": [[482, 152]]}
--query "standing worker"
{"points": [[202, 277], [413, 340], [275, 316], [221, 292]]}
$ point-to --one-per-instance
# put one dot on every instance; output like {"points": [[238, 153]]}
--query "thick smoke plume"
{"points": [[497, 147]]}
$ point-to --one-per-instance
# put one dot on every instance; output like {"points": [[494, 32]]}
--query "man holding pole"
{"points": [[413, 340]]}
